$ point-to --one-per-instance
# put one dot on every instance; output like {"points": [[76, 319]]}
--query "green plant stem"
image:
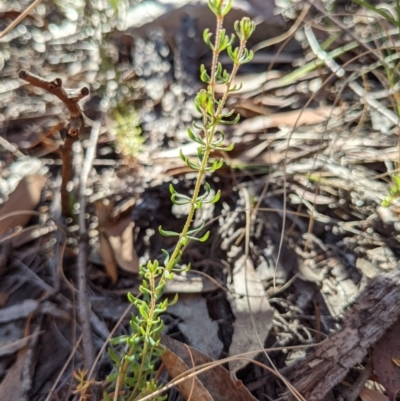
{"points": [[204, 163], [122, 374], [124, 368], [220, 21], [146, 342]]}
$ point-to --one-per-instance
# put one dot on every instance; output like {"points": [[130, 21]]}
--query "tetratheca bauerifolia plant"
{"points": [[135, 374]]}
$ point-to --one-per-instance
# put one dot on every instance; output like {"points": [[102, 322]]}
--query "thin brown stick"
{"points": [[70, 97], [20, 18], [66, 172]]}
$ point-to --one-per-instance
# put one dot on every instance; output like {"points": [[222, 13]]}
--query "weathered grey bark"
{"points": [[375, 310]]}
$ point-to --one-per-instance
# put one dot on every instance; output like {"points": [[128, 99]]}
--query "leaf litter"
{"points": [[318, 157]]}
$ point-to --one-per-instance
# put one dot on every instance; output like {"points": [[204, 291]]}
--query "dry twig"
{"points": [[20, 18], [70, 97]]}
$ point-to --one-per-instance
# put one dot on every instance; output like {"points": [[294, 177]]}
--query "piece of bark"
{"points": [[375, 310]]}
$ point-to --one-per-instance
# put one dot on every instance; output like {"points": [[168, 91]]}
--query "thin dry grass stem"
{"points": [[11, 148], [308, 102], [83, 298], [19, 18], [344, 28], [363, 93], [193, 380], [70, 98], [286, 35]]}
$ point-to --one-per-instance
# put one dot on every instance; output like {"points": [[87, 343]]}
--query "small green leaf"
{"points": [[119, 340], [171, 189], [194, 231], [195, 137], [216, 165], [206, 193], [236, 88], [202, 239], [231, 122], [174, 301], [245, 28], [166, 256], [246, 57], [144, 290], [114, 356], [207, 38], [216, 197], [111, 378], [167, 233], [204, 75], [131, 298], [222, 149], [144, 311]]}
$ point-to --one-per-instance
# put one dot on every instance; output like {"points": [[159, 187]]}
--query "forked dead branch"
{"points": [[70, 98]]}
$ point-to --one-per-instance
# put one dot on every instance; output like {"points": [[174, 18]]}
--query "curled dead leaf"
{"points": [[216, 381], [107, 254], [26, 196], [116, 239]]}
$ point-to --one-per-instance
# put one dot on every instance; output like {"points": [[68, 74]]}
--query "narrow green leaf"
{"points": [[166, 256], [167, 233], [114, 356], [216, 197], [222, 149], [131, 298], [111, 378], [174, 301], [194, 231], [202, 239]]}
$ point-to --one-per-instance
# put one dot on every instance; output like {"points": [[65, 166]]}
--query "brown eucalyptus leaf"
{"points": [[103, 209], [386, 360], [216, 381], [117, 244], [26, 196], [120, 236], [107, 254], [192, 388]]}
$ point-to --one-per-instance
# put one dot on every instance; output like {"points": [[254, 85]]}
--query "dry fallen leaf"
{"points": [[107, 254], [216, 382], [116, 239], [26, 196], [120, 236], [192, 388]]}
